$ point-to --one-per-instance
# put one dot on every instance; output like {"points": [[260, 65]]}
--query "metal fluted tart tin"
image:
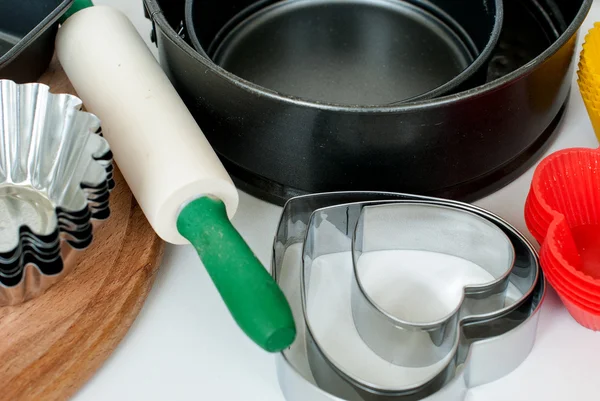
{"points": [[506, 336], [461, 146], [55, 180]]}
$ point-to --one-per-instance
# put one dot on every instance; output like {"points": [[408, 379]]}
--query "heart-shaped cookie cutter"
{"points": [[431, 228], [514, 326]]}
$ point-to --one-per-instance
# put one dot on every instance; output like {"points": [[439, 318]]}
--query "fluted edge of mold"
{"points": [[56, 175]]}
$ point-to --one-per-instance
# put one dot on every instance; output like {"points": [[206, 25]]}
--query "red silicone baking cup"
{"points": [[583, 315], [565, 289], [562, 212]]}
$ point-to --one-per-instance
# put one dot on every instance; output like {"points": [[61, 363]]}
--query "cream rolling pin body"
{"points": [[173, 172]]}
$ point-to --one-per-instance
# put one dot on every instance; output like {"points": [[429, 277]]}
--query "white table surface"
{"points": [[184, 345]]}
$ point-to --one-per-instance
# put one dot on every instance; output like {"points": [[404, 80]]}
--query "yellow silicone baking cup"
{"points": [[588, 76]]}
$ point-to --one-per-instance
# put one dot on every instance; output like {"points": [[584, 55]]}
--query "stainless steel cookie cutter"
{"points": [[423, 227], [481, 338]]}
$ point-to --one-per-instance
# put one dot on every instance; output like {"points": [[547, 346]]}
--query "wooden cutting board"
{"points": [[52, 344]]}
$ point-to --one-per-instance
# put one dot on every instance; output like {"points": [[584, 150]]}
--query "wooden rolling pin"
{"points": [[173, 172]]}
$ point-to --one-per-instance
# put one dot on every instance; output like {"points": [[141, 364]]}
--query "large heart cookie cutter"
{"points": [[481, 337]]}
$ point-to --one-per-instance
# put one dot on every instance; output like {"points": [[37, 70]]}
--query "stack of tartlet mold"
{"points": [[55, 180]]}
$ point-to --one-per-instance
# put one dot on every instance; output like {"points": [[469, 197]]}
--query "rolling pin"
{"points": [[173, 172]]}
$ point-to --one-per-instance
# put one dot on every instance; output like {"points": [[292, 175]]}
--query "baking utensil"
{"points": [[514, 326], [353, 52], [589, 76], [346, 385], [27, 31], [428, 228], [48, 152], [276, 146], [173, 172], [561, 213]]}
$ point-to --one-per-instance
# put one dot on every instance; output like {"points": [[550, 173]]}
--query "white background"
{"points": [[184, 346]]}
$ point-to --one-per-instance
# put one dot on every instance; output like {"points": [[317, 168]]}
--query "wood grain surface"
{"points": [[52, 344]]}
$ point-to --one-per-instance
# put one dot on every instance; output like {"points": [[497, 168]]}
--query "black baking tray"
{"points": [[27, 32]]}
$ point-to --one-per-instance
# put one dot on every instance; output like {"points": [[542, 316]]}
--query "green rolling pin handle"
{"points": [[76, 6], [255, 301]]}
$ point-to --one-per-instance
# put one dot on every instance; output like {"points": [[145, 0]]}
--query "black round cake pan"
{"points": [[352, 52], [460, 146]]}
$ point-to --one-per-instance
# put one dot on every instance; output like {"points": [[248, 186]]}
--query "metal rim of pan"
{"points": [[157, 16], [479, 61]]}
